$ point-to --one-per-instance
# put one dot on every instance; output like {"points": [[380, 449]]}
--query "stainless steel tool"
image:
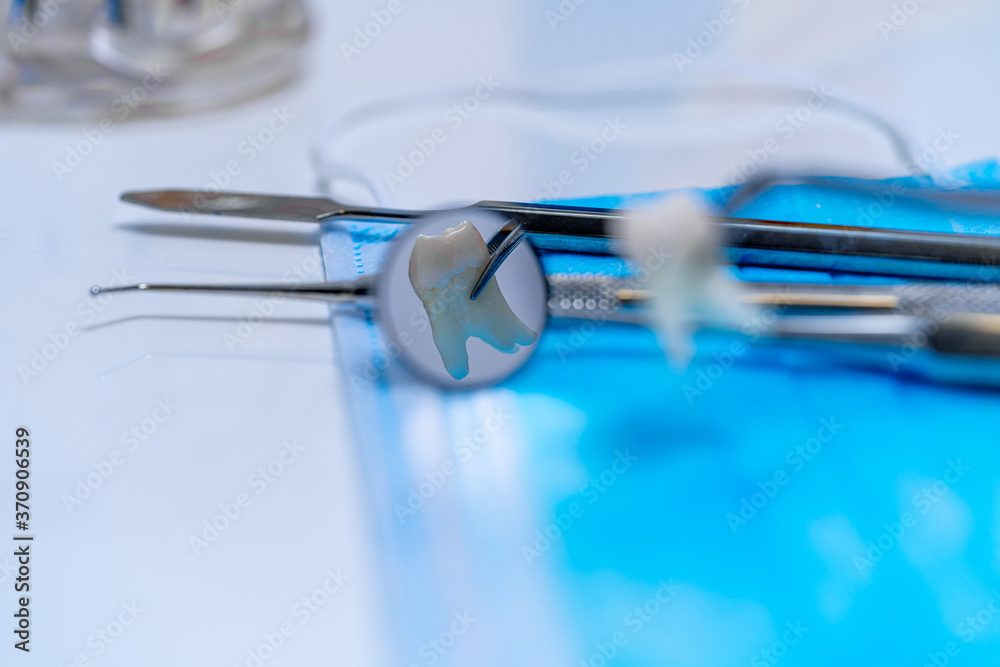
{"points": [[747, 242], [952, 318]]}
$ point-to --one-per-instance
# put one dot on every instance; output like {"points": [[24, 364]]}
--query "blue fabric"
{"points": [[793, 504]]}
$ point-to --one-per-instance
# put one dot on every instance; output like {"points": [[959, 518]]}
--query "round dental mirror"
{"points": [[445, 337]]}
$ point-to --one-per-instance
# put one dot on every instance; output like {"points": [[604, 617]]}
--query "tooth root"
{"points": [[450, 336], [443, 270], [496, 323]]}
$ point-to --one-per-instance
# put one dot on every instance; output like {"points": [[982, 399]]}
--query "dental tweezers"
{"points": [[748, 242]]}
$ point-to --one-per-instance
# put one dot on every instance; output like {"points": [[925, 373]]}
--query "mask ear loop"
{"points": [[336, 178], [334, 170]]}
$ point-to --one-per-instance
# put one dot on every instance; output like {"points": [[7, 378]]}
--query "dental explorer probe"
{"points": [[954, 318]]}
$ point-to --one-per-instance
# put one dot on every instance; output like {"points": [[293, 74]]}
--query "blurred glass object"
{"points": [[93, 59]]}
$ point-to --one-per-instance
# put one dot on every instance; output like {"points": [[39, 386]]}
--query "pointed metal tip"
{"points": [[498, 257], [276, 207], [195, 201], [98, 289], [142, 197], [480, 284], [166, 200]]}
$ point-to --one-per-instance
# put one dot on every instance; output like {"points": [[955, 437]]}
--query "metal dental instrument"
{"points": [[955, 318], [499, 248], [326, 292], [748, 242]]}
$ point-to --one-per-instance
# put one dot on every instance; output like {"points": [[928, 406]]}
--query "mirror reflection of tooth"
{"points": [[443, 270]]}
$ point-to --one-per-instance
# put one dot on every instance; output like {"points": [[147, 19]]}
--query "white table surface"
{"points": [[129, 541]]}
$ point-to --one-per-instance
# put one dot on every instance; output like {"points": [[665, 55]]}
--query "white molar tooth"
{"points": [[443, 270], [677, 244]]}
